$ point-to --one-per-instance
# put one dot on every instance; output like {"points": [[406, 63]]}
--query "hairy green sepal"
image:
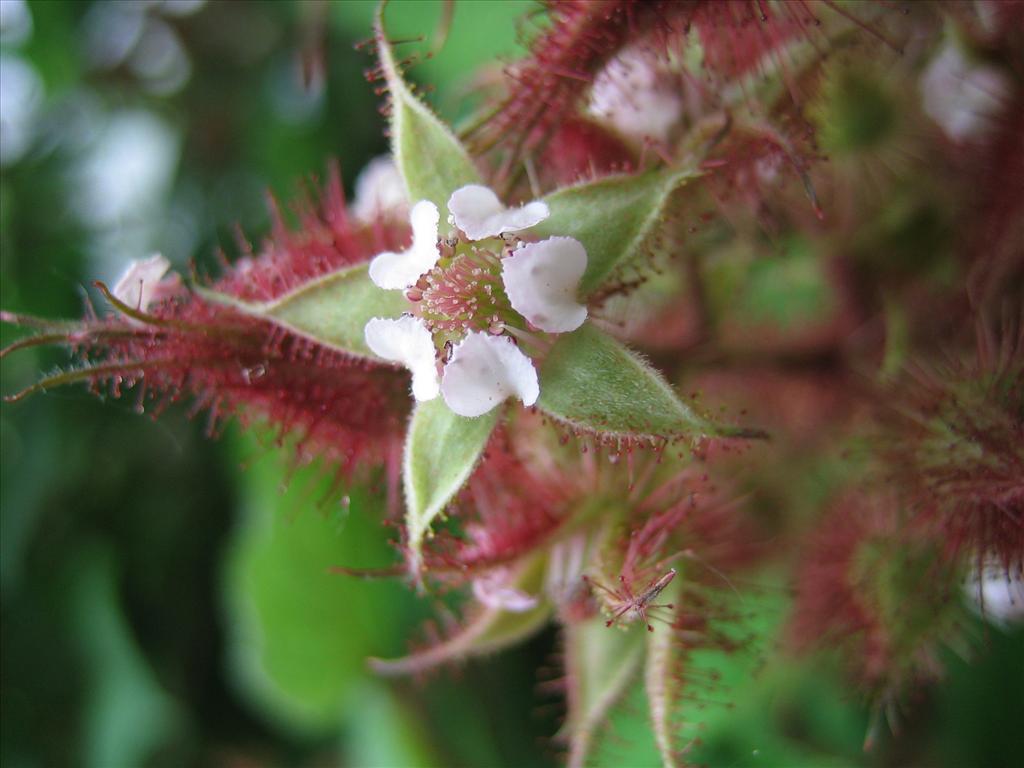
{"points": [[431, 160], [331, 310], [593, 383], [441, 451], [615, 218]]}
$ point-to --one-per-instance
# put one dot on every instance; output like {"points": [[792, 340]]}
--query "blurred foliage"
{"points": [[163, 602], [300, 636]]}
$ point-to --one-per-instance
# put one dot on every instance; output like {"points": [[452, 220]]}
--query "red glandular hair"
{"points": [[546, 89], [829, 609], [954, 448], [752, 172], [738, 36], [508, 509], [530, 484], [877, 589], [686, 518], [325, 239], [348, 411], [581, 150]]}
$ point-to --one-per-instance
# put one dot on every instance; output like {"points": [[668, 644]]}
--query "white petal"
{"points": [[483, 371], [541, 280], [478, 212], [997, 594], [380, 191], [137, 285], [493, 591], [406, 341], [963, 98], [636, 97], [397, 271]]}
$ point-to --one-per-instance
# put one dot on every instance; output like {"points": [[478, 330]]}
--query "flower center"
{"points": [[464, 291]]}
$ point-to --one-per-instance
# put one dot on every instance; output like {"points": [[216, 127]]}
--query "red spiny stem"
{"points": [[339, 407]]}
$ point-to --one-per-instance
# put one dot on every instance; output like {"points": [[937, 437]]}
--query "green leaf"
{"points": [[592, 382], [299, 635], [491, 630], [127, 716], [331, 310], [386, 730], [429, 156], [441, 451], [600, 664], [615, 218]]}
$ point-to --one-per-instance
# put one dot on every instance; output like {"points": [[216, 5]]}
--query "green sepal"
{"points": [[331, 310], [441, 450], [601, 662], [615, 218], [430, 158], [489, 631], [594, 383]]}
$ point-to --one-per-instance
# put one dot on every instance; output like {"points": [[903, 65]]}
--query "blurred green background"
{"points": [[164, 601]]}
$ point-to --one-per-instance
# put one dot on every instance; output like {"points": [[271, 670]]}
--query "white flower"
{"points": [[483, 371], [139, 283], [478, 212], [406, 341], [997, 594], [541, 281], [397, 271], [962, 97], [635, 97], [493, 591], [380, 191]]}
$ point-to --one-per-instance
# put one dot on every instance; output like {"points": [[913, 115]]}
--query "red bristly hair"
{"points": [[348, 411], [877, 588], [546, 89], [508, 509], [953, 446]]}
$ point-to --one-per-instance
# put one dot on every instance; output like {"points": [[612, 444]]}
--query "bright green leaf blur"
{"points": [[301, 634]]}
